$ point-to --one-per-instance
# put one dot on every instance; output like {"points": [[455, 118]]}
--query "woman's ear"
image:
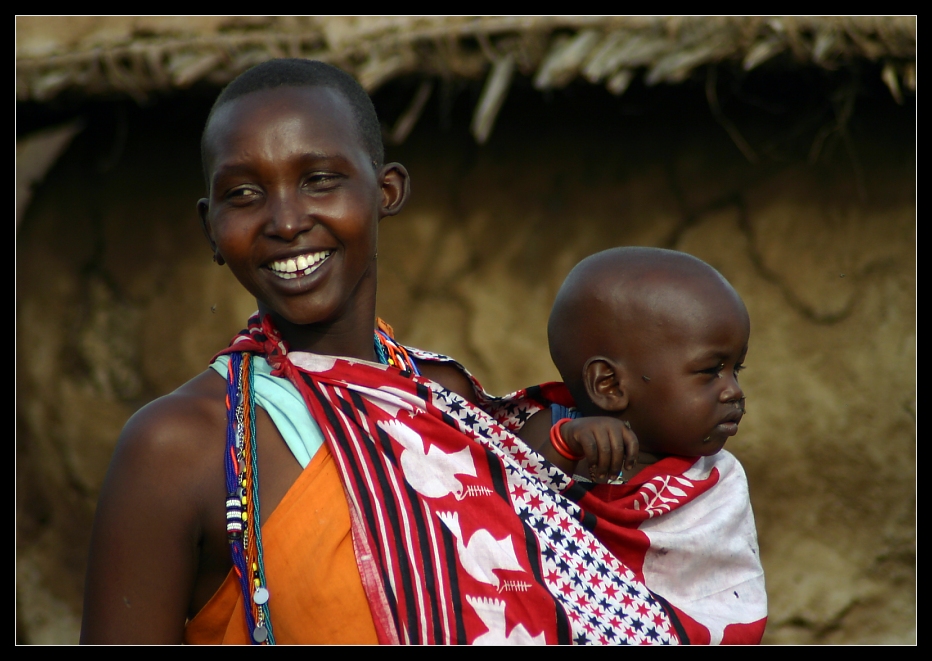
{"points": [[605, 384], [396, 186], [203, 205]]}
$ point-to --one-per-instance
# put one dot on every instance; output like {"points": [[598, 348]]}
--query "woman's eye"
{"points": [[322, 180], [738, 368], [242, 193]]}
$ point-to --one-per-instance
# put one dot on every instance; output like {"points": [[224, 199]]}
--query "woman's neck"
{"points": [[352, 338]]}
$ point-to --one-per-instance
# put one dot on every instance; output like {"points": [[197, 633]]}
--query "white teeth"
{"points": [[302, 265]]}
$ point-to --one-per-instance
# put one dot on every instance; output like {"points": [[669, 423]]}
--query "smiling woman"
{"points": [[296, 190]]}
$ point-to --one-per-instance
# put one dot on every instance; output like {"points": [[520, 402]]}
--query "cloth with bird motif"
{"points": [[682, 517], [461, 532], [685, 527]]}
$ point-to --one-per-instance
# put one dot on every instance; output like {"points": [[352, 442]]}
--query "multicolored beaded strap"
{"points": [[242, 479], [390, 352]]}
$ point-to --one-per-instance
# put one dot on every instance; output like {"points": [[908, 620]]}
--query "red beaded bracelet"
{"points": [[556, 440]]}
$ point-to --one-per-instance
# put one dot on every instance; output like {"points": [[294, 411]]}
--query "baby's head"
{"points": [[656, 338]]}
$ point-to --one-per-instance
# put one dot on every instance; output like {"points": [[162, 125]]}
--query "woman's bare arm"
{"points": [[147, 538]]}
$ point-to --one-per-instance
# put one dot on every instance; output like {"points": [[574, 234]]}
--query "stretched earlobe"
{"points": [[396, 187], [605, 384], [203, 206]]}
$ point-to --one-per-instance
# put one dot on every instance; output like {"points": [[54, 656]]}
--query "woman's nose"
{"points": [[289, 218]]}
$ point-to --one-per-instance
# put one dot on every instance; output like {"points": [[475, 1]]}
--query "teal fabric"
{"points": [[285, 406]]}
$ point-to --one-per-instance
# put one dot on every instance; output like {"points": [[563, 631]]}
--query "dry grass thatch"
{"points": [[137, 56]]}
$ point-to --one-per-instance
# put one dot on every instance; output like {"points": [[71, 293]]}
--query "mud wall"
{"points": [[118, 302]]}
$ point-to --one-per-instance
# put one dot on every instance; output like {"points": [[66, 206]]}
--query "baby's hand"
{"points": [[608, 444]]}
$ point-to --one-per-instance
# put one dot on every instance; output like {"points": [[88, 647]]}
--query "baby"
{"points": [[649, 343]]}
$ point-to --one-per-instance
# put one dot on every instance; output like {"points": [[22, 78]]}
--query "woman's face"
{"points": [[295, 203]]}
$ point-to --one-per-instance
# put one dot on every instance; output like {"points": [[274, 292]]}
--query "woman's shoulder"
{"points": [[451, 376], [202, 400], [179, 427]]}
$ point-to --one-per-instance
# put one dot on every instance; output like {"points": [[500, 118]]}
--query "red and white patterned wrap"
{"points": [[463, 534]]}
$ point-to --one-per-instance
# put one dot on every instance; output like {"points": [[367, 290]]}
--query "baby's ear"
{"points": [[605, 384]]}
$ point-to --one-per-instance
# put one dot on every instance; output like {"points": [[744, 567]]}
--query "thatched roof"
{"points": [[137, 56]]}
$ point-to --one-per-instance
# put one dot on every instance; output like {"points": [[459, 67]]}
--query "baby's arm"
{"points": [[607, 444]]}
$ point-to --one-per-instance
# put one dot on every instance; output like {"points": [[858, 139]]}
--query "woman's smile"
{"points": [[303, 265]]}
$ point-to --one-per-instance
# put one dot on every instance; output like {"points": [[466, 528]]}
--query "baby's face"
{"points": [[684, 397]]}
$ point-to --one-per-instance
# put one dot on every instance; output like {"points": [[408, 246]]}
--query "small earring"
{"points": [[218, 259]]}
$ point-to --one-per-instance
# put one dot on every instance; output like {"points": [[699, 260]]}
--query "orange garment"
{"points": [[316, 592]]}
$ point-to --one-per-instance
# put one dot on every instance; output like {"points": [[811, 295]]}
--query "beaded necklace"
{"points": [[244, 533], [242, 478], [390, 352]]}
